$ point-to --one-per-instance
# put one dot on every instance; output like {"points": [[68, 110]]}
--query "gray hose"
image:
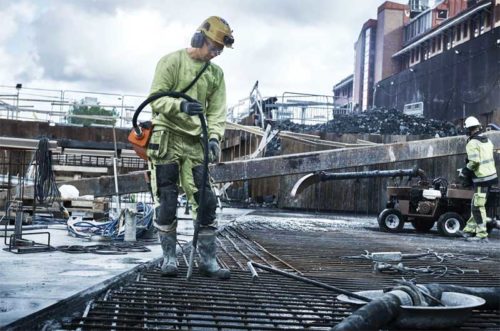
{"points": [[490, 294]]}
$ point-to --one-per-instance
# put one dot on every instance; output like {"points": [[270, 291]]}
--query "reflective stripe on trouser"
{"points": [[477, 222], [167, 147]]}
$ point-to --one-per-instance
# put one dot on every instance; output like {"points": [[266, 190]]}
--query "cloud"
{"points": [[114, 45]]}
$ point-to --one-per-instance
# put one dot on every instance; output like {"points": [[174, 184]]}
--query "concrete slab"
{"points": [[31, 282]]}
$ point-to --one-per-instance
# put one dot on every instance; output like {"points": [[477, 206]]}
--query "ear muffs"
{"points": [[198, 39]]}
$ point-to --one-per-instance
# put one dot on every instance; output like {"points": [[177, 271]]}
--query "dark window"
{"points": [[475, 26], [465, 29], [442, 14], [486, 20], [433, 47], [458, 33]]}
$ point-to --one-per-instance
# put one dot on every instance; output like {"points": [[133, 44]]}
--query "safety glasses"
{"points": [[213, 48]]}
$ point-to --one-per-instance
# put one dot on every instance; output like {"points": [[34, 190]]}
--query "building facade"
{"points": [[364, 66], [342, 95], [439, 61]]}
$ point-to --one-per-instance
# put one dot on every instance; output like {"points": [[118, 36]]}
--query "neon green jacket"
{"points": [[481, 160], [174, 72]]}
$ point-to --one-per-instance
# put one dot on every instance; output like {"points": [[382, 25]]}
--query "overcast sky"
{"points": [[114, 45]]}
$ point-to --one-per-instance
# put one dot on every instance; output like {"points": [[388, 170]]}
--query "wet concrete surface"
{"points": [[31, 282]]}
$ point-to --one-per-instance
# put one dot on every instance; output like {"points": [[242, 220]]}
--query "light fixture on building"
{"points": [[457, 51], [412, 70]]}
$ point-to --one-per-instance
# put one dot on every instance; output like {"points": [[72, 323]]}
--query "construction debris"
{"points": [[377, 121]]}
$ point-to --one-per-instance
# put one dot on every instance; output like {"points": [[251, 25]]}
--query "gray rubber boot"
{"points": [[206, 247], [168, 242], [466, 235]]}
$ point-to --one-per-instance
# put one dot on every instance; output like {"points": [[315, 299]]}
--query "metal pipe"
{"points": [[254, 273], [413, 172], [310, 281]]}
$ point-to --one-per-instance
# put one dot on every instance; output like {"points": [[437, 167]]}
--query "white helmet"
{"points": [[470, 122]]}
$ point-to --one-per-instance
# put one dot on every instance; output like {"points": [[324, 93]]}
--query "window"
{"points": [[475, 26], [458, 32], [433, 47], [486, 20], [465, 29], [442, 14], [446, 41], [415, 109]]}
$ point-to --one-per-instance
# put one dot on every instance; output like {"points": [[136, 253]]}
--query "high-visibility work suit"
{"points": [[481, 167], [175, 150]]}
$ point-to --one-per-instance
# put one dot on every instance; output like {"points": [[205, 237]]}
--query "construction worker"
{"points": [[175, 150], [481, 169]]}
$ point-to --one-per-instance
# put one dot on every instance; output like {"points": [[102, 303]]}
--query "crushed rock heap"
{"points": [[377, 121]]}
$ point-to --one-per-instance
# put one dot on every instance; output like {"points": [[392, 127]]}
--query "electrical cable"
{"points": [[45, 186], [110, 227]]}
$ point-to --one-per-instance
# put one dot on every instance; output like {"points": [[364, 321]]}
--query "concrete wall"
{"points": [[35, 130], [363, 196]]}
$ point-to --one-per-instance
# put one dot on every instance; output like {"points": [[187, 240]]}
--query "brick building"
{"points": [[439, 60]]}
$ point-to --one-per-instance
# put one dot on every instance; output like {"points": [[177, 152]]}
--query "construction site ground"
{"points": [[323, 246]]}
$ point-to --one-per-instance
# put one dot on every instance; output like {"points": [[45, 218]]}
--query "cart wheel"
{"points": [[391, 220], [422, 225], [450, 223], [493, 224]]}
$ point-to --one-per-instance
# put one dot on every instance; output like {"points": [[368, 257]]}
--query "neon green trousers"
{"points": [[478, 219]]}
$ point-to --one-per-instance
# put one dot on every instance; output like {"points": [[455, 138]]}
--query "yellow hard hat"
{"points": [[217, 29]]}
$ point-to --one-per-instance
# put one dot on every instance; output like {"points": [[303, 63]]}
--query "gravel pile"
{"points": [[377, 121]]}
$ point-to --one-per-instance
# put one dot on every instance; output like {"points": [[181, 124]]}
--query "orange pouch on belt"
{"points": [[140, 142]]}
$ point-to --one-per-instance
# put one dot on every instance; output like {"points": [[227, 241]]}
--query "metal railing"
{"points": [[54, 106], [301, 108]]}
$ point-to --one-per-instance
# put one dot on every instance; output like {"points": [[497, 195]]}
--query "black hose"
{"points": [[152, 98], [201, 203], [381, 311], [45, 182], [372, 316]]}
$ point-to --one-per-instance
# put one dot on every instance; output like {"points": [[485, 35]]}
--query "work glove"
{"points": [[466, 173], [213, 150], [191, 108]]}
